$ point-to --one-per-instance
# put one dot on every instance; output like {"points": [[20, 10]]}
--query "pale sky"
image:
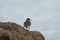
{"points": [[45, 15]]}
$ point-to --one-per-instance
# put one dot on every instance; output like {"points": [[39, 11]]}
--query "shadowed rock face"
{"points": [[13, 31], [4, 38]]}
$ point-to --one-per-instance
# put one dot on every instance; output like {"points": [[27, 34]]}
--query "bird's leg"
{"points": [[26, 27], [29, 27]]}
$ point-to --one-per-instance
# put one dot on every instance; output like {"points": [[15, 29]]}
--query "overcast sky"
{"points": [[45, 15]]}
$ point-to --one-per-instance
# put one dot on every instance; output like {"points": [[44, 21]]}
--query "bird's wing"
{"points": [[25, 24]]}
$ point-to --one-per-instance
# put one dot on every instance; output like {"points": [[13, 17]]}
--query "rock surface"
{"points": [[13, 31]]}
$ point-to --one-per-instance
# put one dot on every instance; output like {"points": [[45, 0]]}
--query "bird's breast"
{"points": [[27, 23]]}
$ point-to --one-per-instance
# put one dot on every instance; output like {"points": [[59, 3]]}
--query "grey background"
{"points": [[45, 15]]}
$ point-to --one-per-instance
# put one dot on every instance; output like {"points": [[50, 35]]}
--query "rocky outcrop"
{"points": [[13, 31]]}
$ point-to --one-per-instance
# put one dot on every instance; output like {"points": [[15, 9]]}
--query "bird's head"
{"points": [[28, 19]]}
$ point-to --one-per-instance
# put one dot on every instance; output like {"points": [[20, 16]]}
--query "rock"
{"points": [[13, 31]]}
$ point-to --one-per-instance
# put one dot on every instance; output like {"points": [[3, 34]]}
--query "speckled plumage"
{"points": [[27, 23]]}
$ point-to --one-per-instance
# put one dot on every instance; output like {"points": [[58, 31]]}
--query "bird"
{"points": [[27, 23]]}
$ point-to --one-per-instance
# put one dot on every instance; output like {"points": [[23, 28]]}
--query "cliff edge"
{"points": [[13, 31]]}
